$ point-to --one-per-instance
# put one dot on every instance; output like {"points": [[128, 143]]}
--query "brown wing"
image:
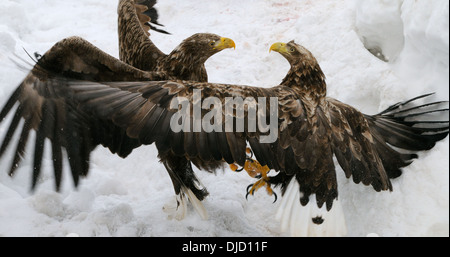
{"points": [[370, 149], [409, 126], [76, 58], [135, 46], [373, 149], [354, 146], [45, 104], [143, 110]]}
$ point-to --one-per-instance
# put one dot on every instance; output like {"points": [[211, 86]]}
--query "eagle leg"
{"points": [[235, 168], [186, 186]]}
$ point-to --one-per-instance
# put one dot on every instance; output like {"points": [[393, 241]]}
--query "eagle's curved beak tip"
{"points": [[227, 43], [277, 47]]}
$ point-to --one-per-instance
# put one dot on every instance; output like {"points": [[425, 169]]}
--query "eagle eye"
{"points": [[292, 49], [212, 43]]}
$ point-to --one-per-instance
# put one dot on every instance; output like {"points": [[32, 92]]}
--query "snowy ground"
{"points": [[125, 197]]}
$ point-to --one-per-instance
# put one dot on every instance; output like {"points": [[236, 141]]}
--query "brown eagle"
{"points": [[79, 103], [185, 62]]}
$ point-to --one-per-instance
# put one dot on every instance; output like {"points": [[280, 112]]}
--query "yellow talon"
{"points": [[260, 183], [233, 167], [251, 189], [255, 170]]}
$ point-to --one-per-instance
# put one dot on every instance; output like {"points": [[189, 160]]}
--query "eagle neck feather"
{"points": [[307, 80], [183, 65]]}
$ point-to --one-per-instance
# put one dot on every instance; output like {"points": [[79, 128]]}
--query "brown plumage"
{"points": [[45, 110], [185, 62], [78, 111]]}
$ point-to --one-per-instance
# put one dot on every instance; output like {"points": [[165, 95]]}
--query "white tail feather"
{"points": [[198, 206], [284, 201], [177, 208], [299, 219]]}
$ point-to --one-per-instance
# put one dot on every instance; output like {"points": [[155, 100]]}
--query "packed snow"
{"points": [[409, 56]]}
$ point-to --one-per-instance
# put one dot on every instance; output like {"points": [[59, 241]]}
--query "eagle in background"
{"points": [[78, 103], [185, 62]]}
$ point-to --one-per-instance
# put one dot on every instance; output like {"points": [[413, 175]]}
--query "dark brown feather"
{"points": [[135, 47]]}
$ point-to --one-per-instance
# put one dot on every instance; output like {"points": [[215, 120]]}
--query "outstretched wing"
{"points": [[135, 46], [354, 147], [46, 106], [78, 114], [370, 149], [373, 148], [149, 110], [76, 58]]}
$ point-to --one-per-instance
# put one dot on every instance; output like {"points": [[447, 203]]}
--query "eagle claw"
{"points": [[255, 170], [252, 188], [248, 191]]}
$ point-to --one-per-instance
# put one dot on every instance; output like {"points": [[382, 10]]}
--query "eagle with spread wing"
{"points": [[79, 103]]}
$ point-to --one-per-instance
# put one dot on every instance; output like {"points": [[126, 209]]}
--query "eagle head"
{"points": [[201, 46], [305, 74], [294, 53]]}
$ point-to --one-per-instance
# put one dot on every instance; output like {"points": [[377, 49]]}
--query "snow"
{"points": [[125, 197]]}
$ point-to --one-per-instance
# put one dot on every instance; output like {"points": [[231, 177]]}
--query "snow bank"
{"points": [[380, 27], [125, 197], [413, 36]]}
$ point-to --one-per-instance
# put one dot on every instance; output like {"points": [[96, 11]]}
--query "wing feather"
{"points": [[12, 128], [20, 149], [147, 134], [57, 155], [190, 146], [201, 139], [224, 147], [45, 101], [44, 127], [164, 133], [135, 46], [361, 159]]}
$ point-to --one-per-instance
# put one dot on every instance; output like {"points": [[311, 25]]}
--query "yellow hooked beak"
{"points": [[279, 47], [224, 43]]}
